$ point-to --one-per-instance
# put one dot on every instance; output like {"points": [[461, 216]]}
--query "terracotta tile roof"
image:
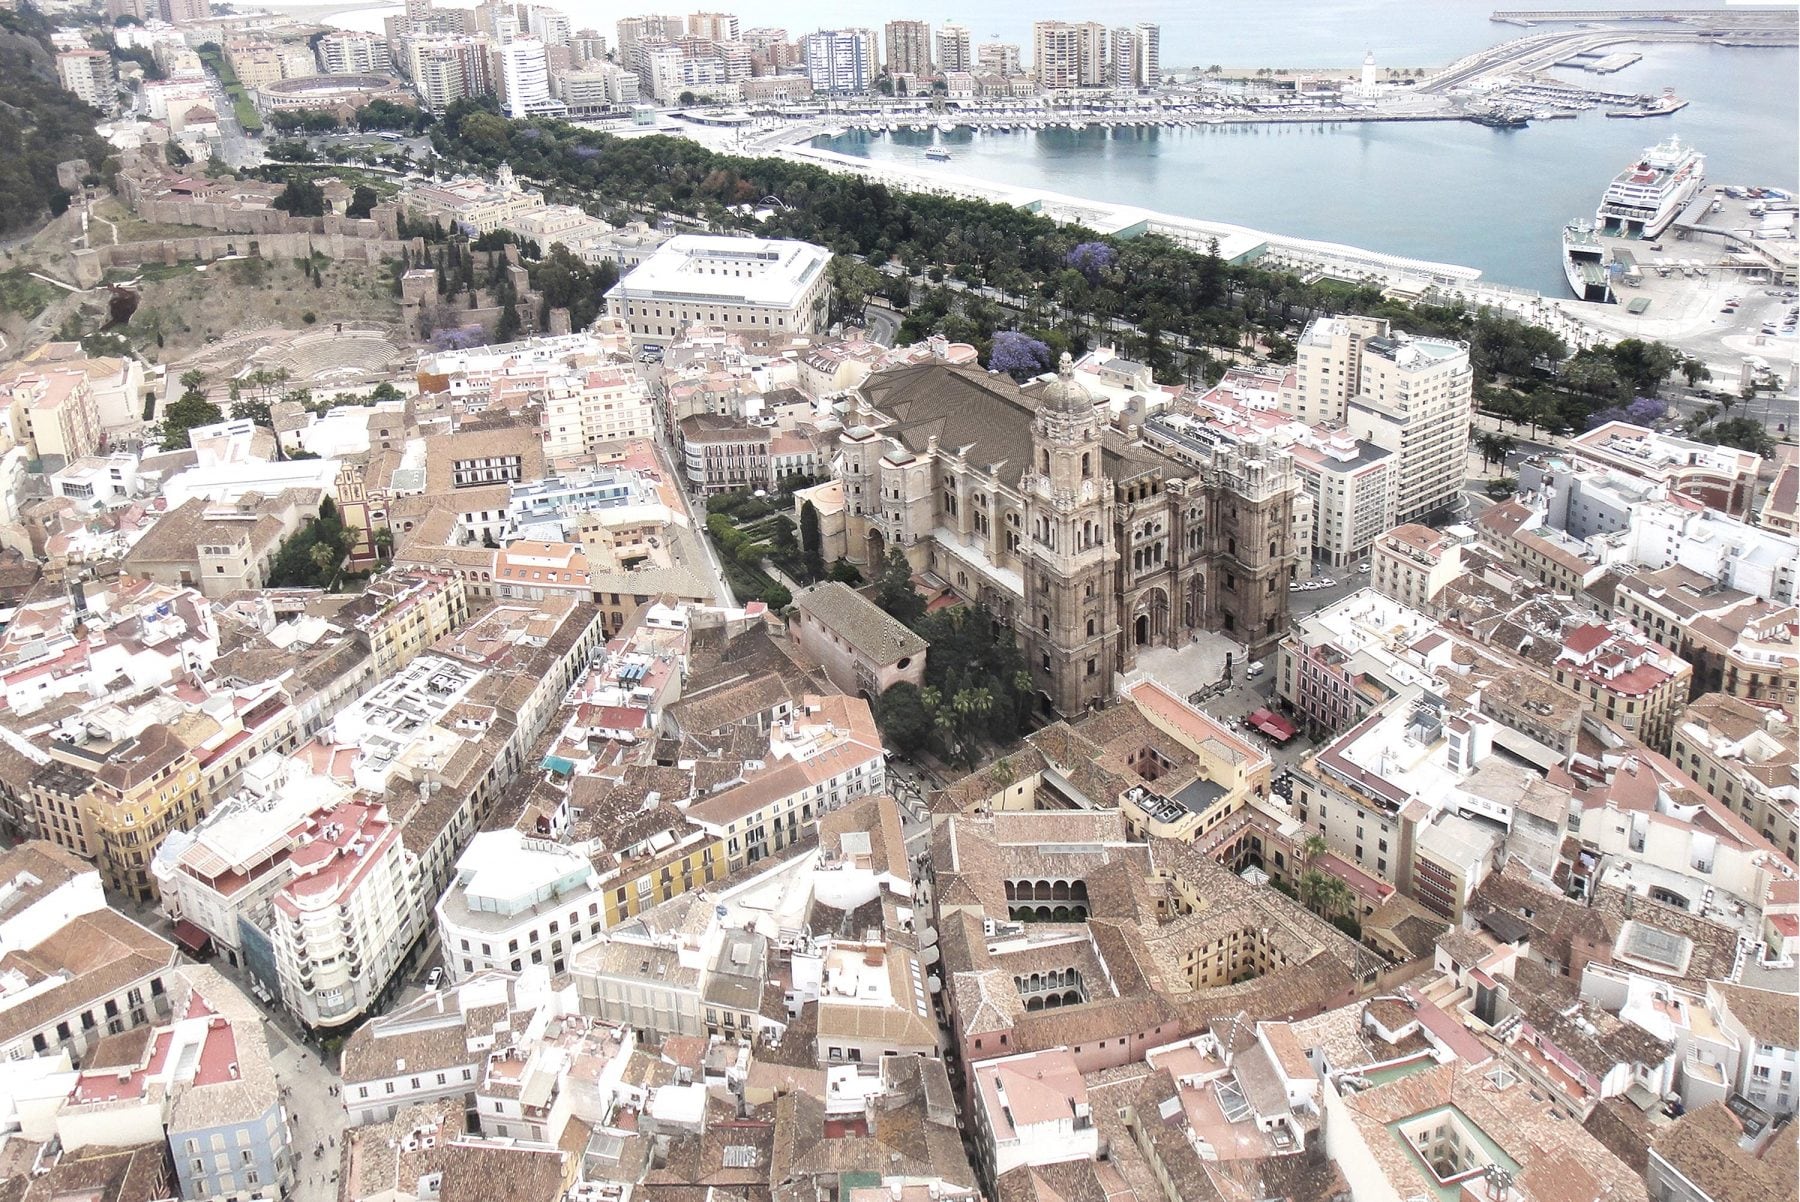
{"points": [[1704, 1146]]}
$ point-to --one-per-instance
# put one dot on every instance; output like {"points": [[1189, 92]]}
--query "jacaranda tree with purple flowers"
{"points": [[1092, 259], [1018, 355]]}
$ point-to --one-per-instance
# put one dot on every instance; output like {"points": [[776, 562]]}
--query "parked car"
{"points": [[434, 980], [1363, 567]]}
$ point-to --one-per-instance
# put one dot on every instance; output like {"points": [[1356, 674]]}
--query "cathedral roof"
{"points": [[967, 407], [1066, 394]]}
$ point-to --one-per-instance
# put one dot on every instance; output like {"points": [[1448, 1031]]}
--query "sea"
{"points": [[1451, 192]]}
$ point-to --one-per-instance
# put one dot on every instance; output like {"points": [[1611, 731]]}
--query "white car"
{"points": [[434, 980], [1363, 567]]}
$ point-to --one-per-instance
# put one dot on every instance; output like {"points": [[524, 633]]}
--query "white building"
{"points": [[584, 411], [517, 900], [1355, 489], [1766, 1027], [777, 287], [1032, 1110], [1413, 396], [841, 62], [89, 75], [1069, 55], [1136, 56], [344, 920], [227, 871], [952, 48], [44, 888], [352, 52], [525, 80], [551, 26]]}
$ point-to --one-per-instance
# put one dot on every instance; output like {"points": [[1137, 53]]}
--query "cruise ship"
{"points": [[1645, 197]]}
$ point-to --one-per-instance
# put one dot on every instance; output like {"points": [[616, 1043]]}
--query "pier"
{"points": [[1582, 16]]}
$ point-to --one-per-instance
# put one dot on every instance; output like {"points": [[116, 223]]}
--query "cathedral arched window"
{"points": [[1046, 463], [1086, 465], [1090, 627]]}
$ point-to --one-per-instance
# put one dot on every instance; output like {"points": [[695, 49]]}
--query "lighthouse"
{"points": [[1368, 75]]}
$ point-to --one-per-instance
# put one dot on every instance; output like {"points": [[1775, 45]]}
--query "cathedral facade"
{"points": [[1091, 545]]}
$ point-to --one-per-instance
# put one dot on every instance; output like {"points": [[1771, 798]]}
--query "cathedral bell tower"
{"points": [[1069, 620]]}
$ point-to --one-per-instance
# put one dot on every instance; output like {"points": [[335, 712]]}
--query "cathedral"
{"points": [[1089, 543]]}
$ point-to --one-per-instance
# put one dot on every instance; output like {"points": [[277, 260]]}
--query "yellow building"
{"points": [[403, 613], [115, 806], [651, 880]]}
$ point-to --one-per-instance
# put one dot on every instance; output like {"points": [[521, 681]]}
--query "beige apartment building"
{"points": [[1744, 755], [1411, 564], [1066, 54]]}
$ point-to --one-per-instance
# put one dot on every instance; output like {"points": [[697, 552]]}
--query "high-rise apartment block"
{"points": [[953, 48], [525, 79], [349, 52], [714, 27], [632, 30], [841, 62], [1136, 56], [1069, 55], [1411, 396], [908, 48], [999, 58], [184, 12], [89, 75], [551, 26], [448, 69]]}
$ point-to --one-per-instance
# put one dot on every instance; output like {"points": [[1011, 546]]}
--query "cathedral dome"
{"points": [[1066, 394]]}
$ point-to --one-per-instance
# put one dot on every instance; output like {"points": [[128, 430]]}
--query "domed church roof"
{"points": [[1066, 394]]}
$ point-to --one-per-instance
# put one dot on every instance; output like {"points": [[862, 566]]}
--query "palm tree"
{"points": [[1312, 889], [1314, 847], [384, 542]]}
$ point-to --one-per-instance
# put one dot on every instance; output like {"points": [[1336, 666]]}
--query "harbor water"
{"points": [[1445, 191], [1448, 191]]}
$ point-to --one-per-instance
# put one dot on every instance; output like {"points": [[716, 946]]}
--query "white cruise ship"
{"points": [[1645, 197]]}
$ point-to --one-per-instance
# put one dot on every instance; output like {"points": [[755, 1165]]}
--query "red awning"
{"points": [[192, 939], [1273, 725]]}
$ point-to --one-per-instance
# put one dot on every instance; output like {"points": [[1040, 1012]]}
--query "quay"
{"points": [[1580, 16]]}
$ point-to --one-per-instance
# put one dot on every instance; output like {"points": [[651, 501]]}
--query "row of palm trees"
{"points": [[1325, 895]]}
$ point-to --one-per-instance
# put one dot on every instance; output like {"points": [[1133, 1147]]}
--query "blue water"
{"points": [[1447, 191]]}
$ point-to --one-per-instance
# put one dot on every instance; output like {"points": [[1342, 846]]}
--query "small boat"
{"points": [[946, 127], [938, 154]]}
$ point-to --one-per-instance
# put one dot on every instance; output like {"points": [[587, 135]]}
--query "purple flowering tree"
{"points": [[457, 338], [1018, 355], [1091, 259]]}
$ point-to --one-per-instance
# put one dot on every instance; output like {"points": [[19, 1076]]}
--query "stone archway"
{"points": [[875, 547], [1150, 618], [1193, 604]]}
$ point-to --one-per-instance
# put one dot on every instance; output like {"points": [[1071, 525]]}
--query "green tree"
{"points": [[844, 572], [300, 198], [182, 415], [1694, 371], [812, 554], [1643, 366], [894, 591], [362, 201], [777, 597], [508, 327]]}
